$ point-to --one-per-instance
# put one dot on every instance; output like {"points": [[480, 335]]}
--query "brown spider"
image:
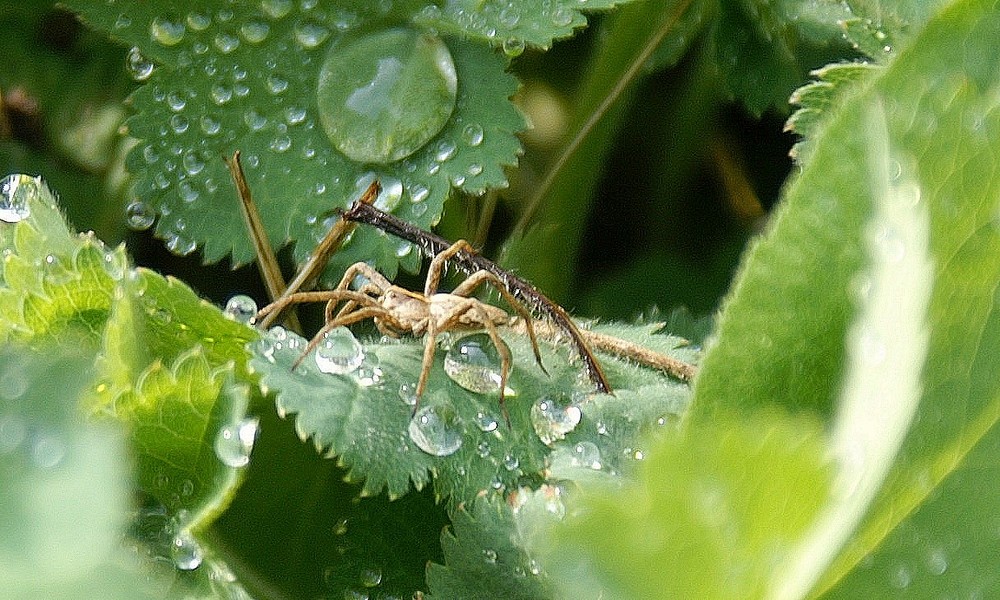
{"points": [[398, 311]]}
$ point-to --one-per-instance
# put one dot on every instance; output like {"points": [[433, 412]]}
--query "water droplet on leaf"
{"points": [[240, 308], [339, 352], [473, 362], [254, 32], [553, 416], [382, 97], [587, 454], [276, 9], [371, 577], [472, 134], [139, 67], [513, 47], [310, 34], [435, 430], [167, 30], [234, 442], [14, 190], [408, 393], [486, 421], [185, 552]]}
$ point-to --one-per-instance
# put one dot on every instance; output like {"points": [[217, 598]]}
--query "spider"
{"points": [[397, 311]]}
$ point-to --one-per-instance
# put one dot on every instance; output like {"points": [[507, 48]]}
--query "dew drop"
{"points": [[587, 454], [240, 308], [254, 32], [408, 393], [276, 84], [138, 66], [339, 352], [209, 125], [392, 193], [472, 134], [371, 577], [185, 552], [139, 215], [281, 144], [369, 375], [14, 191], [295, 115], [309, 33], [221, 94], [234, 442], [419, 193], [473, 362], [226, 43], [192, 164], [179, 124], [47, 451], [483, 449], [562, 16], [254, 120], [167, 30], [509, 17], [435, 430], [276, 9], [553, 416], [198, 21], [513, 47], [510, 462], [382, 97], [486, 421], [490, 556], [445, 150]]}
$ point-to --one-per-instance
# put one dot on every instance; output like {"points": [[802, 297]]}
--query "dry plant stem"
{"points": [[330, 243], [267, 262], [618, 347], [470, 262]]}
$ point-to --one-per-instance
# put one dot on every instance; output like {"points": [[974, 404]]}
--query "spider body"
{"points": [[397, 311]]}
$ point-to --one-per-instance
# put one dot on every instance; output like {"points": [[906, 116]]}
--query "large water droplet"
{"points": [[276, 9], [185, 552], [138, 66], [310, 34], [587, 454], [234, 442], [435, 430], [382, 97], [14, 190], [240, 308], [473, 362], [167, 30], [371, 576], [553, 416], [255, 32], [339, 352]]}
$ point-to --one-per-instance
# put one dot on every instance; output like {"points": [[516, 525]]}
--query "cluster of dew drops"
{"points": [[177, 159], [471, 361]]}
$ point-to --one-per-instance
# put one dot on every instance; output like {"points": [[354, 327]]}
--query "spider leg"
{"points": [[430, 342], [480, 277], [501, 347], [436, 268]]}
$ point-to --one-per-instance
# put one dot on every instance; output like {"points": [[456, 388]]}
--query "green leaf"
{"points": [[64, 501], [165, 363], [247, 77], [805, 328], [699, 518], [765, 49], [512, 24], [365, 417], [483, 559], [303, 532], [820, 98]]}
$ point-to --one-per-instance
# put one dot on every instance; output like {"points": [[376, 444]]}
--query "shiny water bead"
{"points": [[14, 191], [382, 97], [435, 430], [554, 416], [474, 363], [339, 352], [240, 308]]}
